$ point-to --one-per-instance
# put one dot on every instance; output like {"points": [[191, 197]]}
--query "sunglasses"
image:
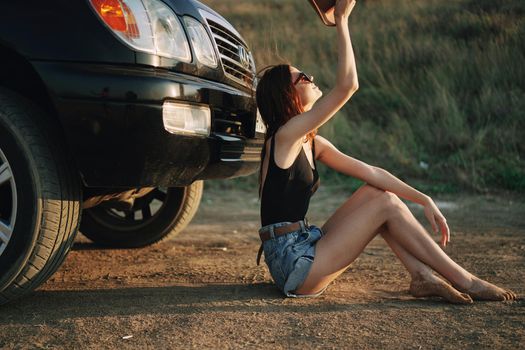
{"points": [[303, 78]]}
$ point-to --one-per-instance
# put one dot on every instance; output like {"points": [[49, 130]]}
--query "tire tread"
{"points": [[60, 195]]}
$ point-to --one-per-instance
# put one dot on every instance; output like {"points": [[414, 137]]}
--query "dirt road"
{"points": [[204, 290]]}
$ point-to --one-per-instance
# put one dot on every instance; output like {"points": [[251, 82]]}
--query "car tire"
{"points": [[158, 216], [39, 197]]}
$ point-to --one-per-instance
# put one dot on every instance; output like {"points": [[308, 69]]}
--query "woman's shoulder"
{"points": [[322, 144], [320, 138], [321, 141]]}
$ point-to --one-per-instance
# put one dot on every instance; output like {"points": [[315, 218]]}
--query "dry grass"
{"points": [[441, 83]]}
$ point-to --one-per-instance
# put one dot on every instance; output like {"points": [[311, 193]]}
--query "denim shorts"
{"points": [[289, 257]]}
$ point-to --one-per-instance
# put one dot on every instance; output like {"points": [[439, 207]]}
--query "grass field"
{"points": [[442, 84]]}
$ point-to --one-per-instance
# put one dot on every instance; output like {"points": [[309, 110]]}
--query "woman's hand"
{"points": [[343, 9], [437, 220]]}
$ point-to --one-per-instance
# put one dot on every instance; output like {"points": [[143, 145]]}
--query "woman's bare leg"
{"points": [[348, 232], [364, 194], [439, 261], [424, 283]]}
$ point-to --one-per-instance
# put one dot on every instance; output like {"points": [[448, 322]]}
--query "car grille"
{"points": [[235, 57]]}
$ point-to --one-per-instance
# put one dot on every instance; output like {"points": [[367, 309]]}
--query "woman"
{"points": [[303, 259]]}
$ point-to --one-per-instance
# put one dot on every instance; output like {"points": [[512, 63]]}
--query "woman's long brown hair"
{"points": [[278, 102]]}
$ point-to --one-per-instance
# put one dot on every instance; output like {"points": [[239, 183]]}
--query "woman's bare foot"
{"points": [[431, 285], [483, 290]]}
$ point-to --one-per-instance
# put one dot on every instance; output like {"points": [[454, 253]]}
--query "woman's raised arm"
{"points": [[345, 87]]}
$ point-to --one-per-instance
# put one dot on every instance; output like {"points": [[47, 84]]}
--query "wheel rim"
{"points": [[8, 202], [144, 211]]}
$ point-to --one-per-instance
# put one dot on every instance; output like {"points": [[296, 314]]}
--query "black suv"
{"points": [[116, 109]]}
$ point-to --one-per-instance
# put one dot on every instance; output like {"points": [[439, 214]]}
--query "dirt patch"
{"points": [[203, 289]]}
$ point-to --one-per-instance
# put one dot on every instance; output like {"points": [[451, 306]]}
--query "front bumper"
{"points": [[112, 120]]}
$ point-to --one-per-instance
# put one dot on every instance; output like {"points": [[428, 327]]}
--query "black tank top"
{"points": [[286, 192]]}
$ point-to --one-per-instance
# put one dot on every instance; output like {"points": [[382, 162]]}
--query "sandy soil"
{"points": [[204, 290]]}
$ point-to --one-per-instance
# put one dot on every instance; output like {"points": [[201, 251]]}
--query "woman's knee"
{"points": [[371, 191], [391, 203], [387, 202]]}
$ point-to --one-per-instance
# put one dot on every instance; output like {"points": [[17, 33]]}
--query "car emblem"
{"points": [[244, 56]]}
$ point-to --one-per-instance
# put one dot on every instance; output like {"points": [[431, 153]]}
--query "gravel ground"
{"points": [[204, 290]]}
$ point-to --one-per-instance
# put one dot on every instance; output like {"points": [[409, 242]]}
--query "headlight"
{"points": [[168, 34], [146, 25], [201, 42]]}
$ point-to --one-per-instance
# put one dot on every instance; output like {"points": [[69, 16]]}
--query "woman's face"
{"points": [[308, 92]]}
